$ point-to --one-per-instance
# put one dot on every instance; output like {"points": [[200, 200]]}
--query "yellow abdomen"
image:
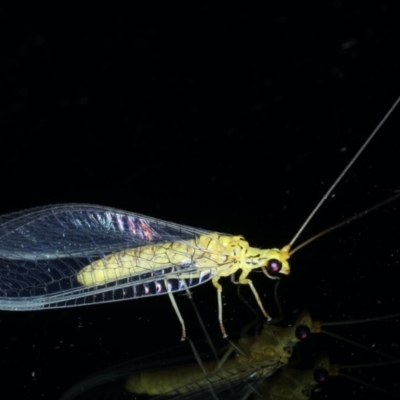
{"points": [[206, 251]]}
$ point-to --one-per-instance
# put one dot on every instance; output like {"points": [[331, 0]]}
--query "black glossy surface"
{"points": [[228, 119]]}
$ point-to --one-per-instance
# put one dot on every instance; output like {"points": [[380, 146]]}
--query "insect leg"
{"points": [[243, 280], [172, 298], [219, 294]]}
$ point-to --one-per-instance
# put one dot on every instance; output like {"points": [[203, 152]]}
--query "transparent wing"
{"points": [[41, 251]]}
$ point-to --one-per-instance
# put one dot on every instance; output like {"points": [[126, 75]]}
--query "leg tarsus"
{"points": [[172, 298]]}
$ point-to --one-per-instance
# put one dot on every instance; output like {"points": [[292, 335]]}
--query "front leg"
{"points": [[243, 280], [219, 295]]}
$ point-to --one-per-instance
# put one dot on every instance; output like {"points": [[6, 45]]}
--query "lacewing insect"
{"points": [[76, 254], [71, 255]]}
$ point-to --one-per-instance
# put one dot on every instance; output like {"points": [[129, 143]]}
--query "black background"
{"points": [[230, 118]]}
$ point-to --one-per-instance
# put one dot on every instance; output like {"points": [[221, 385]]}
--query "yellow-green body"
{"points": [[214, 254], [222, 254]]}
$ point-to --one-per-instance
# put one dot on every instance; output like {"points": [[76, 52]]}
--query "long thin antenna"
{"points": [[345, 222], [340, 177]]}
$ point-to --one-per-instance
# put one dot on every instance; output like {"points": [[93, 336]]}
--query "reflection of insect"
{"points": [[255, 358], [250, 371], [259, 357]]}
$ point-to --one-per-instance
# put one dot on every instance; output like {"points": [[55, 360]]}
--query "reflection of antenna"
{"points": [[317, 328], [299, 383]]}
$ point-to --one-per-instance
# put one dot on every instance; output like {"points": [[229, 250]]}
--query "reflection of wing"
{"points": [[110, 384], [235, 389], [42, 250]]}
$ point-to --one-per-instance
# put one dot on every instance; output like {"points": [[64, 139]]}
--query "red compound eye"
{"points": [[274, 266]]}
